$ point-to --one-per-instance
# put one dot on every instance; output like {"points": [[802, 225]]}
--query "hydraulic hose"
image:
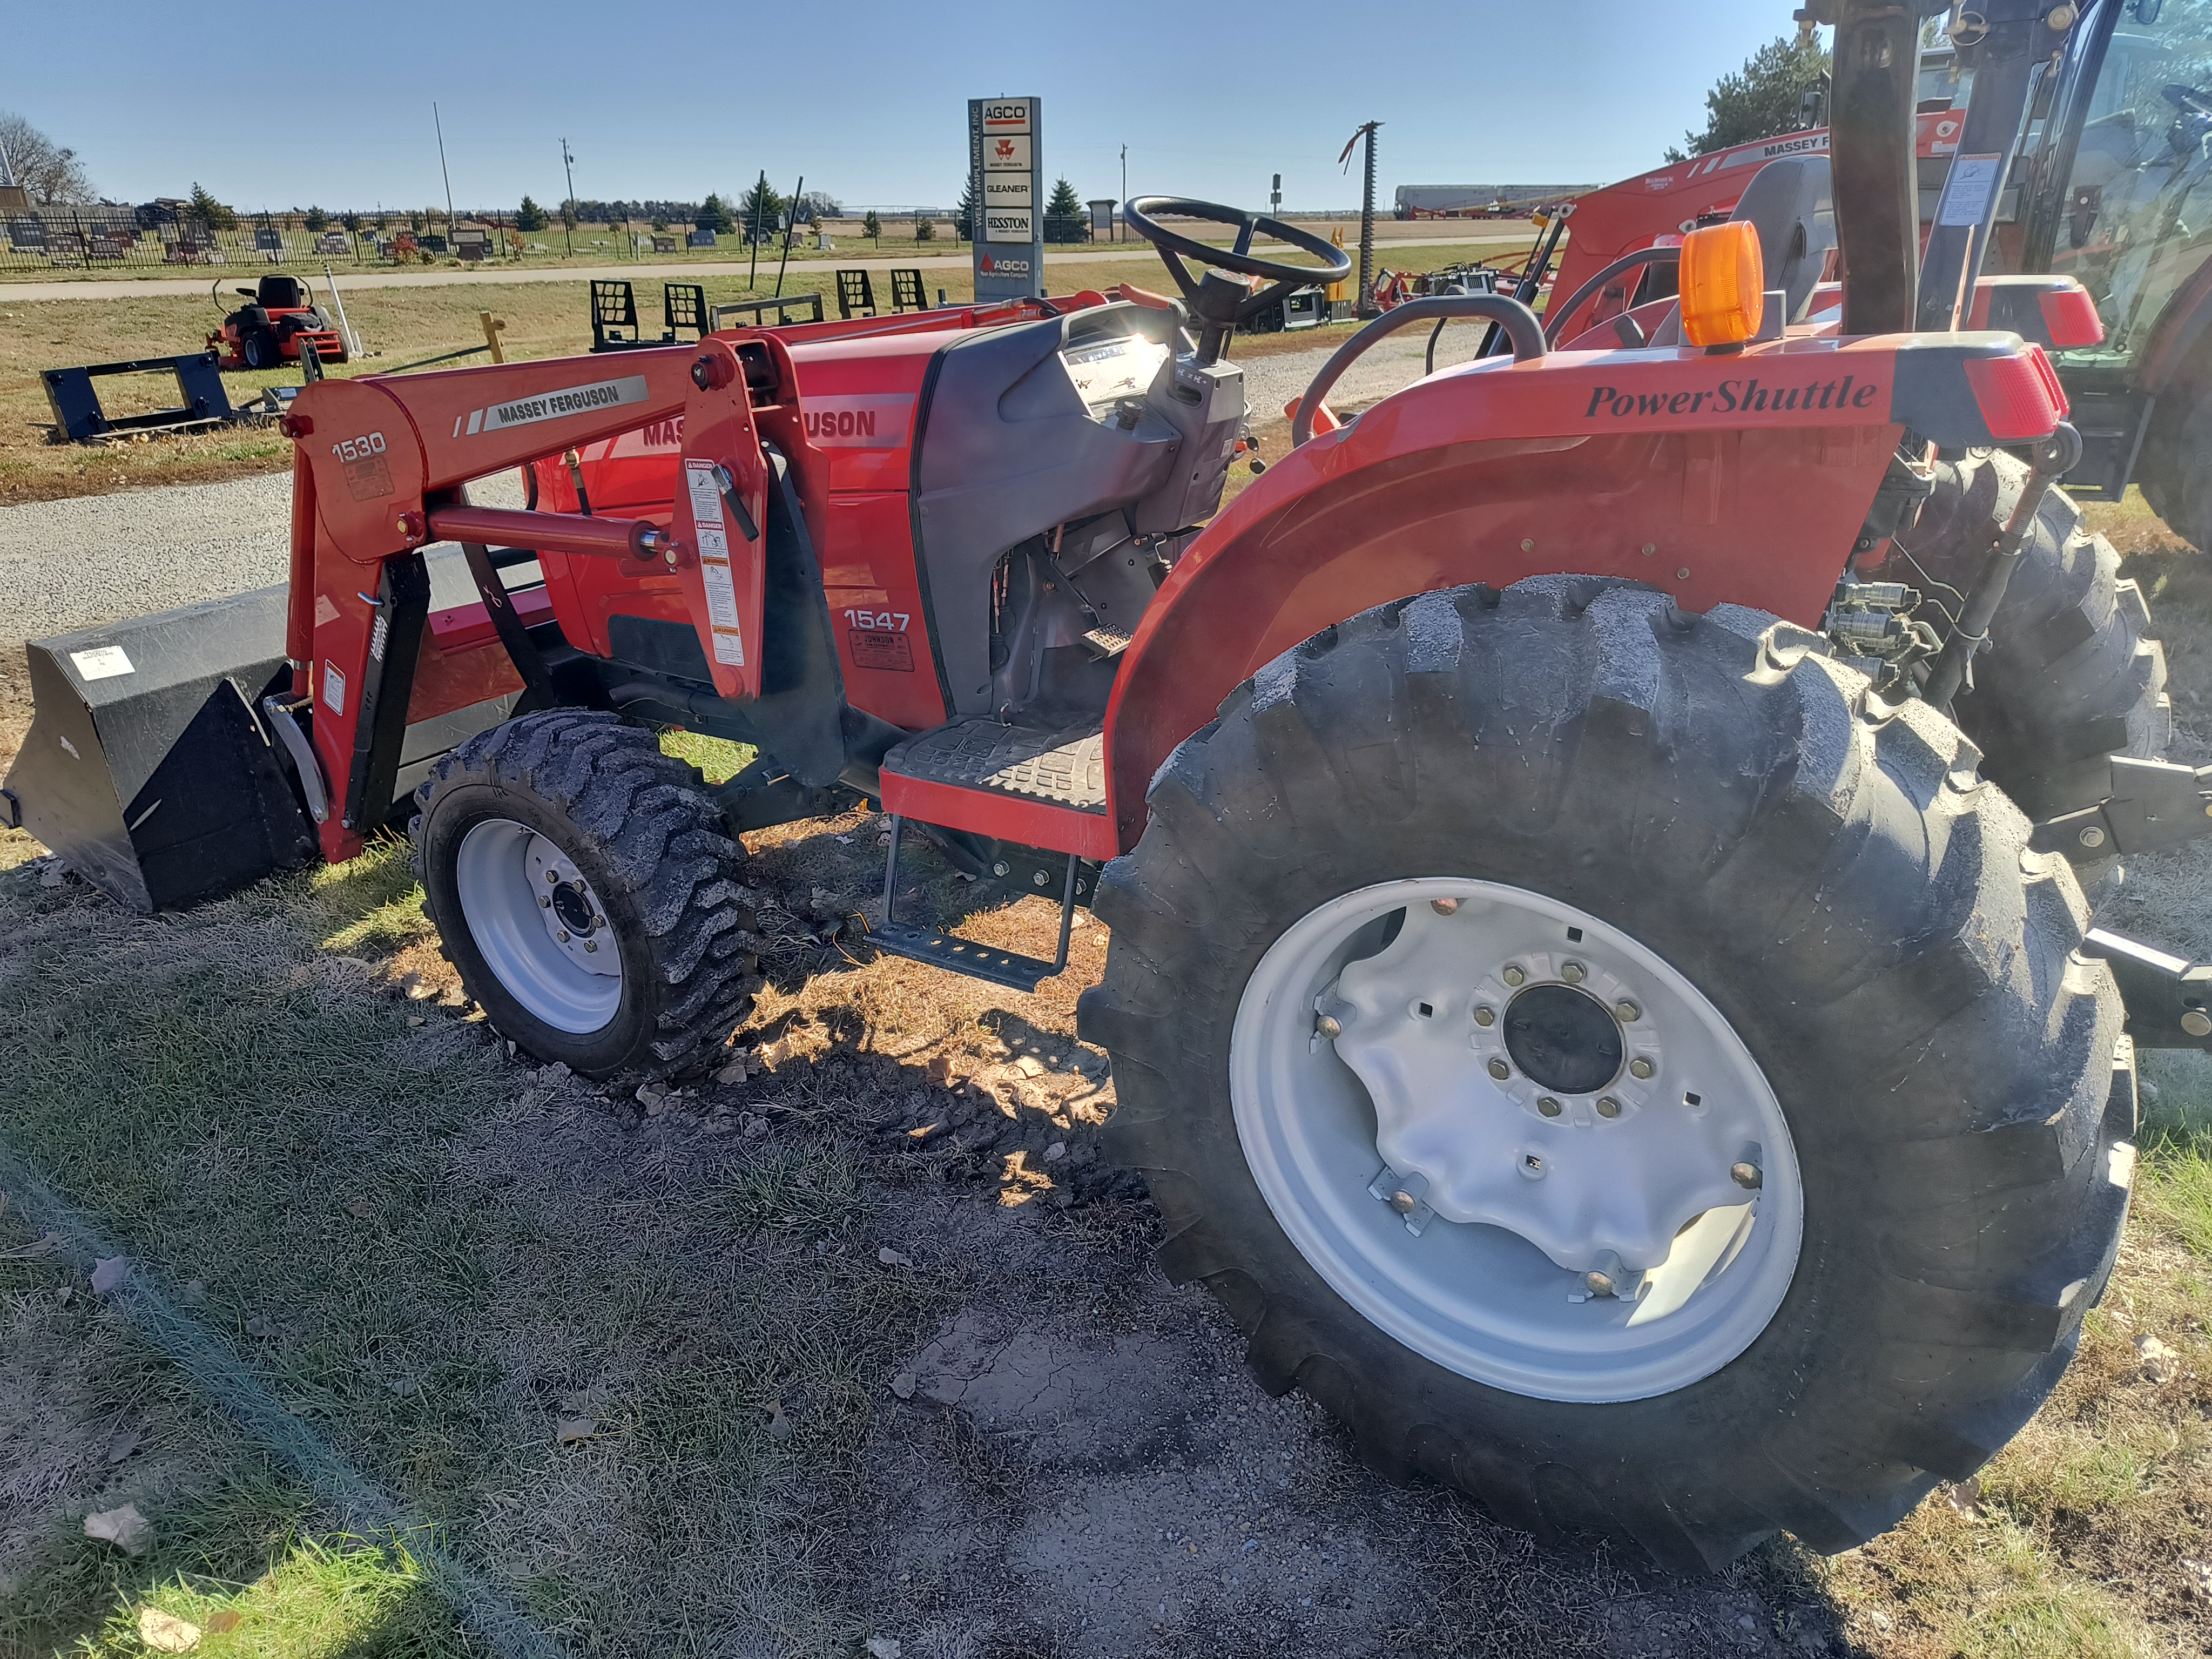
{"points": [[1518, 322]]}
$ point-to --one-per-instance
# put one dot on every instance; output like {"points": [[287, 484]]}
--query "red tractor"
{"points": [[281, 317], [1576, 993]]}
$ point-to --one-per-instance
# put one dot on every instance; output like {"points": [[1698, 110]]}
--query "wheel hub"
{"points": [[539, 925], [1563, 1038], [1587, 1189]]}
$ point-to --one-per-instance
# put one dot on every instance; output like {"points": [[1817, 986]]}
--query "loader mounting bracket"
{"points": [[2154, 804], [2168, 998]]}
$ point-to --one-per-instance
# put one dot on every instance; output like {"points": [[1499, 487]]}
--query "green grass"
{"points": [[429, 1261]]}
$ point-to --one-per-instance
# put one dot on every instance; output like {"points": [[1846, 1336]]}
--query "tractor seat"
{"points": [[1789, 202], [279, 293]]}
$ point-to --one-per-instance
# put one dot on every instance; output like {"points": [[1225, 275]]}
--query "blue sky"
{"points": [[868, 100]]}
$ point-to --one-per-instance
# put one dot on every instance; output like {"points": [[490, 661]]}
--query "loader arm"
{"points": [[382, 470]]}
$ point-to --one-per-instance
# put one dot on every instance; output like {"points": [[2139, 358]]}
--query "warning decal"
{"points": [[714, 534]]}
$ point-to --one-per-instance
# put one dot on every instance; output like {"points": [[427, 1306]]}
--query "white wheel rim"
{"points": [[1399, 1165], [539, 926]]}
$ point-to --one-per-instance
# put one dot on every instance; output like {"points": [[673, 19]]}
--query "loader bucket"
{"points": [[146, 768]]}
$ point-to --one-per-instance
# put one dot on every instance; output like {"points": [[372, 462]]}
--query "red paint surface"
{"points": [[1499, 471], [1010, 818]]}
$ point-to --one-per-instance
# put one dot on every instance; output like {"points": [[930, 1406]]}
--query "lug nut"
{"points": [[1513, 977], [1444, 907], [2196, 1023], [1746, 1175], [553, 877], [1608, 1106], [1039, 879], [598, 921], [564, 936], [1571, 972], [1328, 1027], [1640, 1067], [2092, 835], [1500, 1070], [1628, 1012], [1486, 1018], [1000, 868], [1549, 1107], [591, 944], [544, 903]]}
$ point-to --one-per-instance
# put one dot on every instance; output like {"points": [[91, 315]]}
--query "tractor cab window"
{"points": [[2136, 221]]}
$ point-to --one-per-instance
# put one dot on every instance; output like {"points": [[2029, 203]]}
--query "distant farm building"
{"points": [[1479, 201]]}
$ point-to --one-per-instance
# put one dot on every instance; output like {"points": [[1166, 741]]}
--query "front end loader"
{"points": [[1575, 996]]}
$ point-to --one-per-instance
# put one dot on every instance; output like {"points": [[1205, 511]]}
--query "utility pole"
{"points": [[448, 177], [1125, 182], [1364, 303], [569, 206]]}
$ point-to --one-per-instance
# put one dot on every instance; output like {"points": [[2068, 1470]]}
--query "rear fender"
{"points": [[1739, 479]]}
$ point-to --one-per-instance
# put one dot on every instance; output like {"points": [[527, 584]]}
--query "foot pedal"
{"points": [[966, 956], [1104, 643]]}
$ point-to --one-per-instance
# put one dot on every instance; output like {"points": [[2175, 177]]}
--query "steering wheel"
{"points": [[2188, 100], [1217, 302]]}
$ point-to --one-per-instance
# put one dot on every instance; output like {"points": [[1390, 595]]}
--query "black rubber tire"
{"points": [[2175, 468], [640, 828], [1831, 874], [2069, 676], [258, 348]]}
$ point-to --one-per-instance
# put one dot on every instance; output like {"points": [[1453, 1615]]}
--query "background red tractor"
{"points": [[281, 316], [1577, 996]]}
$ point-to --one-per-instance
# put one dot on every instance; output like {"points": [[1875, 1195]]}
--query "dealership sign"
{"points": [[1004, 172]]}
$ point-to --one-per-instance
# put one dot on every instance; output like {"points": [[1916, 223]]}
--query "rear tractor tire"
{"points": [[587, 893], [2069, 675], [1621, 1067]]}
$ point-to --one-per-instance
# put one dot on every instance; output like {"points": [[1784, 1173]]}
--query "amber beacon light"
{"points": [[1723, 278]]}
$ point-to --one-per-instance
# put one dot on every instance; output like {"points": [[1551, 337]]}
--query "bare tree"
{"points": [[48, 171]]}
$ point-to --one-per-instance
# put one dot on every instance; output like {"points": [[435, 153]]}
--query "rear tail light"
{"points": [[2071, 315], [2019, 396], [2049, 377]]}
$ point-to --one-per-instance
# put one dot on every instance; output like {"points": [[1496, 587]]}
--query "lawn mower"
{"points": [[1576, 994], [279, 318]]}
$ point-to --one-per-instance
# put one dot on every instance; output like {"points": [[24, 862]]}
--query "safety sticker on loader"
{"points": [[714, 533]]}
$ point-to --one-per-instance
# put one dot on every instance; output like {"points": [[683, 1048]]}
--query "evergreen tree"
{"points": [[318, 220], [965, 226], [925, 227], [209, 211], [760, 209], [873, 226], [351, 221], [529, 216], [1063, 214], [713, 217], [1764, 98]]}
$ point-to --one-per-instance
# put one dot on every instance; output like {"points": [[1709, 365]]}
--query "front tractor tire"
{"points": [[1620, 1066], [586, 893]]}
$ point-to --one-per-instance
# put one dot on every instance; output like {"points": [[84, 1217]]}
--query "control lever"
{"points": [[731, 500]]}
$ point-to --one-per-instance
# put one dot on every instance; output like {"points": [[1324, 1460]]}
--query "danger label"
{"points": [[871, 649]]}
